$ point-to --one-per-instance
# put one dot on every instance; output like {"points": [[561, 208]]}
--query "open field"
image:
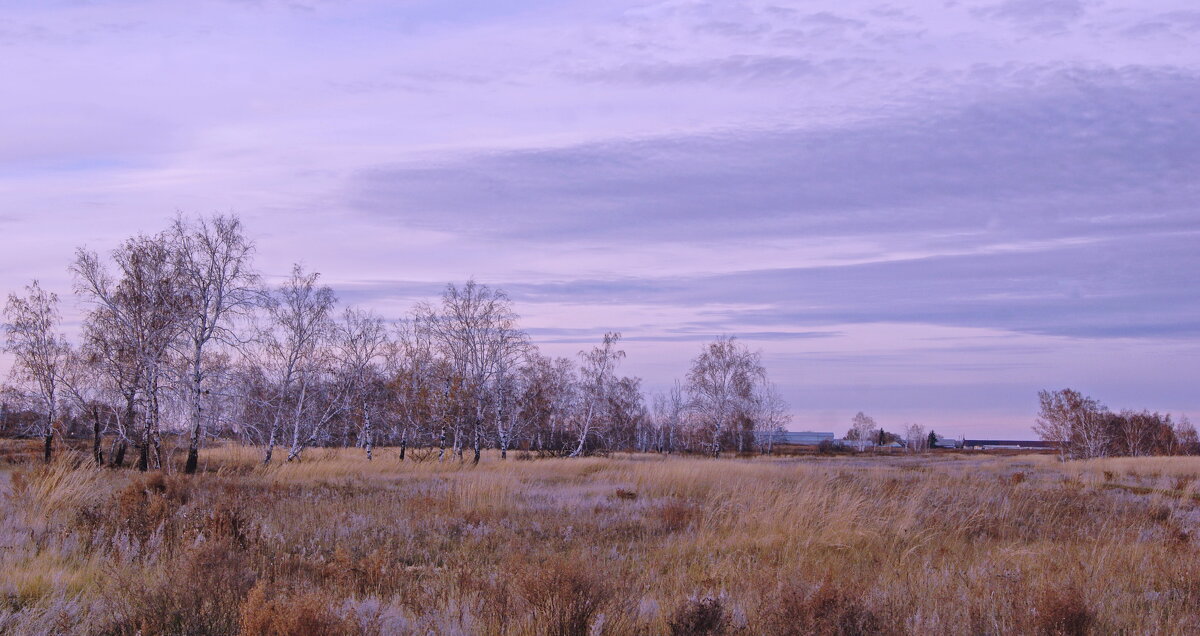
{"points": [[935, 544]]}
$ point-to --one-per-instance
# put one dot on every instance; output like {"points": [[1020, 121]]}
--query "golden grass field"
{"points": [[633, 544]]}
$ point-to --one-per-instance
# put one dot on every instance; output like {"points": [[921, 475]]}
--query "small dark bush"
{"points": [[1159, 513], [697, 617], [1063, 612]]}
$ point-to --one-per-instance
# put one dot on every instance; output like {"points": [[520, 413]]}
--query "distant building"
{"points": [[997, 444], [800, 438]]}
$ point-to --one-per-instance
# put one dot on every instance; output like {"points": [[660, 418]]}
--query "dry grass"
{"points": [[632, 544]]}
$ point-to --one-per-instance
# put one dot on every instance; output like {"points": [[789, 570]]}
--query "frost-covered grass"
{"points": [[629, 544]]}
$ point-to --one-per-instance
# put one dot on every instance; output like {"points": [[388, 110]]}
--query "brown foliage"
{"points": [[564, 596], [148, 502], [1063, 612], [676, 515], [830, 608], [295, 613], [197, 594]]}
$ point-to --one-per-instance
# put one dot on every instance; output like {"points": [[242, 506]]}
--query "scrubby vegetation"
{"points": [[627, 544]]}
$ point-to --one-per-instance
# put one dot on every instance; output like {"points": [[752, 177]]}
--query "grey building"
{"points": [[801, 438]]}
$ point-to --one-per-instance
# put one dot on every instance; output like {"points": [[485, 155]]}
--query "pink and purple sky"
{"points": [[923, 210]]}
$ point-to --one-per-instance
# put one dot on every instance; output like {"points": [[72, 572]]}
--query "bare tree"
{"points": [[596, 382], [670, 411], [1186, 437], [548, 391], [108, 347], [1074, 422], [915, 437], [770, 414], [417, 380], [292, 349], [506, 405], [721, 385], [362, 344], [625, 413], [148, 307], [475, 330], [214, 268], [83, 387], [861, 427], [39, 351]]}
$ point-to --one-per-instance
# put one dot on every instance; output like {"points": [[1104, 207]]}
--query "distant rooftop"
{"points": [[797, 437], [1009, 443]]}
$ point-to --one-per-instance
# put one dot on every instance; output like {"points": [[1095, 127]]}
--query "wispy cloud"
{"points": [[1040, 15], [1086, 154]]}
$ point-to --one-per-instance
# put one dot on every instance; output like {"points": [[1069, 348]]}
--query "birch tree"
{"points": [[292, 351], [770, 415], [148, 307], [596, 379], [1074, 422], [362, 345], [39, 352], [668, 411], [416, 385], [214, 268], [721, 383], [108, 346], [861, 427], [83, 387], [548, 392], [476, 330], [914, 435]]}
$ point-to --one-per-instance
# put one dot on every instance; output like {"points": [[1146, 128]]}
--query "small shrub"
{"points": [[1159, 513], [298, 613], [149, 502], [198, 594], [564, 596], [1063, 612], [1016, 478], [830, 608], [676, 515], [1109, 475], [698, 617]]}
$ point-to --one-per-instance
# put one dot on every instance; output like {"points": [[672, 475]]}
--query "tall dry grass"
{"points": [[635, 544]]}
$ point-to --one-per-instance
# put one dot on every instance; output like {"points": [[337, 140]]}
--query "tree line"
{"points": [[181, 336], [1081, 427]]}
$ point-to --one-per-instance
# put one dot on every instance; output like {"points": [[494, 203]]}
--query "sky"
{"points": [[923, 210]]}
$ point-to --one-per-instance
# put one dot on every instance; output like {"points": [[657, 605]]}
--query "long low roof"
{"points": [[799, 437], [1027, 443]]}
